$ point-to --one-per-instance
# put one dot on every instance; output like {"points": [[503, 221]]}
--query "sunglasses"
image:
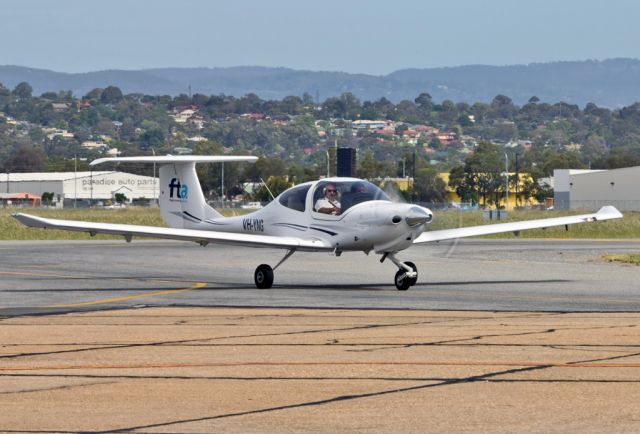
{"points": [[331, 191]]}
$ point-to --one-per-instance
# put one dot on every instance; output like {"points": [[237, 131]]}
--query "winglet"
{"points": [[608, 212]]}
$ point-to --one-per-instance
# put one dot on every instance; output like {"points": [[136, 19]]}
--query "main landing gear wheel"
{"points": [[263, 276], [402, 281]]}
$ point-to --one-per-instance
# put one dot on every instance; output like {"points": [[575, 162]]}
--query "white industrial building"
{"points": [[84, 187], [591, 189]]}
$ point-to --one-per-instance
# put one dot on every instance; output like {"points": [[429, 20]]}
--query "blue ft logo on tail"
{"points": [[181, 190]]}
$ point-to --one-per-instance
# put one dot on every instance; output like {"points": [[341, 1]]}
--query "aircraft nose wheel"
{"points": [[263, 276], [402, 281]]}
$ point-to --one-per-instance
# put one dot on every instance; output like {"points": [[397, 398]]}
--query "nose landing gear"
{"points": [[405, 279], [407, 274]]}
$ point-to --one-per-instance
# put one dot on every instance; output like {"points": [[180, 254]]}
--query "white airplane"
{"points": [[368, 220]]}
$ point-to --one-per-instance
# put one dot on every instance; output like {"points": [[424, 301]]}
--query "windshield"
{"points": [[335, 197]]}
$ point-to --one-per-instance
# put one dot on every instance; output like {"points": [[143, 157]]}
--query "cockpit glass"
{"points": [[346, 195]]}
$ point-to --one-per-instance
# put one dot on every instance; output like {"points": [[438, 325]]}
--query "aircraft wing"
{"points": [[197, 236], [605, 213]]}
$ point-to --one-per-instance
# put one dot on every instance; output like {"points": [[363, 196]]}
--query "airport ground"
{"points": [[154, 336]]}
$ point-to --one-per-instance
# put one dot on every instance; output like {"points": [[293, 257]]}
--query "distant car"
{"points": [[251, 205]]}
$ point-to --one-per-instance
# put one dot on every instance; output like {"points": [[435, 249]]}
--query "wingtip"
{"points": [[608, 212], [28, 220]]}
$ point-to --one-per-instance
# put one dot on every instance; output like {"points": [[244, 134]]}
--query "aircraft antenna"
{"points": [[265, 186]]}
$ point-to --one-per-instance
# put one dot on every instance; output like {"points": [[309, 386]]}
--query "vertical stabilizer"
{"points": [[182, 203]]}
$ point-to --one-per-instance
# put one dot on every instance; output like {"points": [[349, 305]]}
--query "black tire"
{"points": [[263, 276], [402, 282]]}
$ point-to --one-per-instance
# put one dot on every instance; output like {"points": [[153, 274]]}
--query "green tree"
{"points": [[368, 166], [47, 197], [275, 184], [483, 172], [25, 159], [265, 168], [152, 138], [23, 90], [461, 183], [502, 107], [111, 95], [429, 187], [554, 159], [95, 94], [424, 103]]}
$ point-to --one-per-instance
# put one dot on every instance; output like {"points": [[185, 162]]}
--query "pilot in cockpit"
{"points": [[330, 203]]}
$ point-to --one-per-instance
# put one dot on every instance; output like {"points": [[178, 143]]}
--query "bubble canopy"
{"points": [[350, 192]]}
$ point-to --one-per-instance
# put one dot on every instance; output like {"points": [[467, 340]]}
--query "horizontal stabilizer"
{"points": [[168, 159]]}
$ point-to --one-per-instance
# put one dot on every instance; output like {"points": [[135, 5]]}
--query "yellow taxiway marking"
{"points": [[68, 276], [131, 297]]}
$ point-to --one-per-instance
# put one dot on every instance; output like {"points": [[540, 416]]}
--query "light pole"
{"points": [[75, 180], [328, 163], [153, 151], [517, 179], [222, 185], [506, 181]]}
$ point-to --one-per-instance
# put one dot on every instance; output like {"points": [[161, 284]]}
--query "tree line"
{"points": [[544, 136]]}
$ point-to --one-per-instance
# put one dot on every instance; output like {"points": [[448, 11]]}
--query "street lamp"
{"points": [[75, 180], [517, 179], [506, 181], [328, 163], [153, 151]]}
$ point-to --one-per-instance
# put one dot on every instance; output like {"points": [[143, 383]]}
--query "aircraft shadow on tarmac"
{"points": [[225, 286], [383, 286]]}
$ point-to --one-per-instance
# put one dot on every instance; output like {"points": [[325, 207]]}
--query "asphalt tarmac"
{"points": [[511, 275], [154, 336]]}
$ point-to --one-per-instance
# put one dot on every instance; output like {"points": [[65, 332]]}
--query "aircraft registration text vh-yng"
{"points": [[364, 219]]}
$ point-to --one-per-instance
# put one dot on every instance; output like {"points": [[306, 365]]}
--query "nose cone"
{"points": [[417, 216]]}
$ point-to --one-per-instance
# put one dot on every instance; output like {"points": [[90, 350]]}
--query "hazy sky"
{"points": [[374, 37]]}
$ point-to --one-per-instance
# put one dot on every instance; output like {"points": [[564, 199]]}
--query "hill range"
{"points": [[609, 83]]}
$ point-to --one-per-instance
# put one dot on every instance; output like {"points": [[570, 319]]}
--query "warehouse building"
{"points": [[591, 189], [82, 188]]}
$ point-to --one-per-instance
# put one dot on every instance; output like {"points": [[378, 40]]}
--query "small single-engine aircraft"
{"points": [[355, 216]]}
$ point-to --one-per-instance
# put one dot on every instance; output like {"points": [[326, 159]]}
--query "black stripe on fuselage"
{"points": [[333, 234]]}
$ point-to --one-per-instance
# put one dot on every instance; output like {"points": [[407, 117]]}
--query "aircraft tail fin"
{"points": [[182, 202]]}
